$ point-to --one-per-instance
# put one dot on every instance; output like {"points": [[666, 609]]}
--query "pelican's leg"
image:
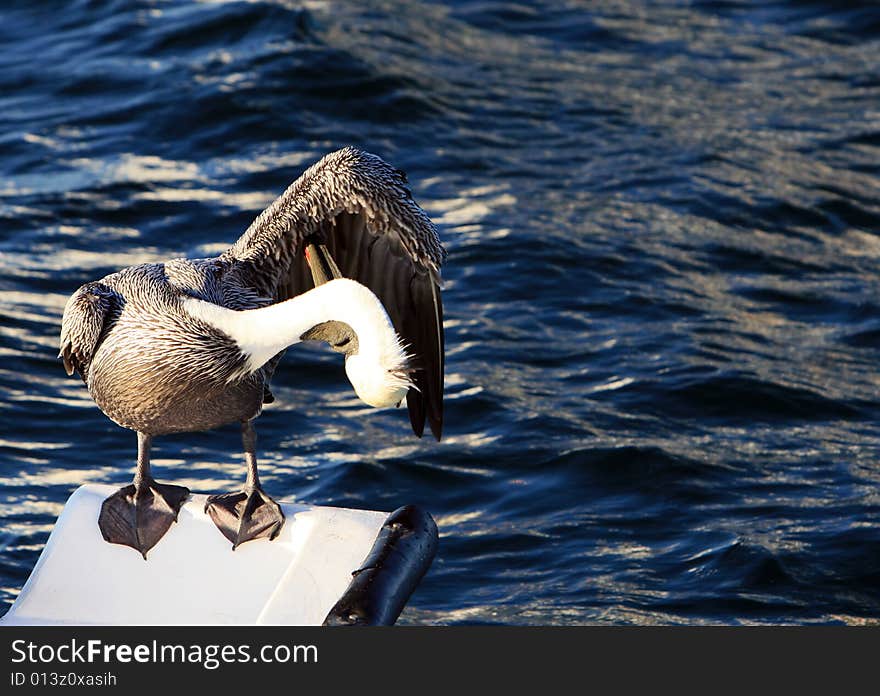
{"points": [[249, 513], [139, 514]]}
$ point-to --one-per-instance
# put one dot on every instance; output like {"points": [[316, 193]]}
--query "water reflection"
{"points": [[661, 292]]}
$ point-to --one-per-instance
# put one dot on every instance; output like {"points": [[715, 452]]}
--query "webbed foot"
{"points": [[245, 515], [140, 516]]}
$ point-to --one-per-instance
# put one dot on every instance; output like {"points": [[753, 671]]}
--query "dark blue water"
{"points": [[662, 291]]}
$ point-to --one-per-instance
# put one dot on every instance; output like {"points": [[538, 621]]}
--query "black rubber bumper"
{"points": [[400, 556]]}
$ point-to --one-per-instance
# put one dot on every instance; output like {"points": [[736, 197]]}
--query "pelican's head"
{"points": [[376, 361], [379, 380]]}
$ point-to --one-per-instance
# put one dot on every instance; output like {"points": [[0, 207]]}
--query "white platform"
{"points": [[193, 577]]}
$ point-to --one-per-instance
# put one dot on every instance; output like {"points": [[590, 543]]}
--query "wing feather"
{"points": [[86, 316], [362, 209]]}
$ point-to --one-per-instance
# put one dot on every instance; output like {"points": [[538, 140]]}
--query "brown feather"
{"points": [[362, 209]]}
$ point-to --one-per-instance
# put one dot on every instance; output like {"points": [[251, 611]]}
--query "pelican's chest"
{"points": [[160, 371]]}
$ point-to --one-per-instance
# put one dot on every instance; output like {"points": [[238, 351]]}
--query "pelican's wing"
{"points": [[362, 209], [86, 317]]}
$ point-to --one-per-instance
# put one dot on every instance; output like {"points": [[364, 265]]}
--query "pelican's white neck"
{"points": [[378, 369]]}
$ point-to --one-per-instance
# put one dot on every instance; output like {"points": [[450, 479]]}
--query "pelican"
{"points": [[344, 255]]}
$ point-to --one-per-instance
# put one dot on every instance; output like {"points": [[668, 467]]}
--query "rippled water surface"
{"points": [[662, 294]]}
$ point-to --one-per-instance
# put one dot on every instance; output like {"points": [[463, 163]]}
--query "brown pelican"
{"points": [[344, 255]]}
